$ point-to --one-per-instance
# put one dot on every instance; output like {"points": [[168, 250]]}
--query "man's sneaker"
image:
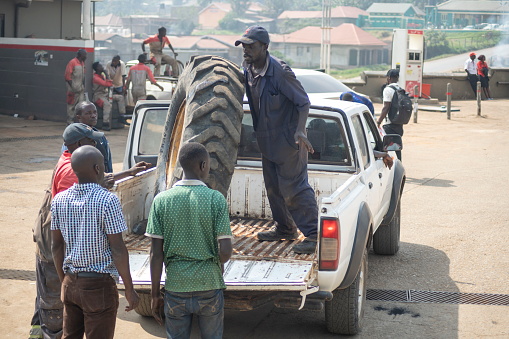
{"points": [[308, 246], [106, 126], [275, 235]]}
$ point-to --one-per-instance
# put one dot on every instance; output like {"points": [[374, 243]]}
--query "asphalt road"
{"points": [[455, 226], [457, 62]]}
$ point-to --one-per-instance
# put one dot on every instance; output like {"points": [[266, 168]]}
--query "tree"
{"points": [[276, 7], [239, 7]]}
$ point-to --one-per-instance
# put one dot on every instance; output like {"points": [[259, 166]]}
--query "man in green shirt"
{"points": [[190, 229]]}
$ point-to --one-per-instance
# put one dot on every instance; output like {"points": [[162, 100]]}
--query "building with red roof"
{"points": [[350, 47], [339, 15]]}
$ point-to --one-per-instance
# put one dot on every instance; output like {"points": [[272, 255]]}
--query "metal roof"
{"points": [[378, 7]]}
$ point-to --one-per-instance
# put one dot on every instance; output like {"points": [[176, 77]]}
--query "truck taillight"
{"points": [[329, 244]]}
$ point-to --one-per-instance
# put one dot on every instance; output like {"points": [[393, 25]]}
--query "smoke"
{"points": [[500, 57]]}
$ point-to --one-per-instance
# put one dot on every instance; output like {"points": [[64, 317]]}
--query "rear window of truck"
{"points": [[325, 134]]}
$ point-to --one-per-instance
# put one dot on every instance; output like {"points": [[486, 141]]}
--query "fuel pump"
{"points": [[408, 57]]}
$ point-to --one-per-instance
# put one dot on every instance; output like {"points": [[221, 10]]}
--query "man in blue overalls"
{"points": [[279, 107]]}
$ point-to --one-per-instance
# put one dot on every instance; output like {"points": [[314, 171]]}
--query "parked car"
{"points": [[321, 85], [490, 27]]}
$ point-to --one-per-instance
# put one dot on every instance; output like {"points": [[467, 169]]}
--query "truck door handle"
{"points": [[370, 185], [380, 175]]}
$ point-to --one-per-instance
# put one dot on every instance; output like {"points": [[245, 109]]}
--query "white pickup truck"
{"points": [[359, 206]]}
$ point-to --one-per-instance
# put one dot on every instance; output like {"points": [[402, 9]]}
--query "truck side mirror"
{"points": [[392, 142]]}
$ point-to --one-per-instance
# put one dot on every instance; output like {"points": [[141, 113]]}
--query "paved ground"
{"points": [[455, 226]]}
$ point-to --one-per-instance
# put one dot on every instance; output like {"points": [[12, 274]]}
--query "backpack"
{"points": [[401, 107]]}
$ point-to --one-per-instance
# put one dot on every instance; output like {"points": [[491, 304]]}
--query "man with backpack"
{"points": [[397, 107]]}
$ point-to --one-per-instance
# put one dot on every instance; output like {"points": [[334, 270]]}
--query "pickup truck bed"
{"points": [[266, 265], [245, 243]]}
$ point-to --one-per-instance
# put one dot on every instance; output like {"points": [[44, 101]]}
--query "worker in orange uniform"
{"points": [[138, 75], [101, 87], [75, 83], [156, 44]]}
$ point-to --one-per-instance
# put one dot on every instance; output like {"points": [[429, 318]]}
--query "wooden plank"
{"points": [[245, 243]]}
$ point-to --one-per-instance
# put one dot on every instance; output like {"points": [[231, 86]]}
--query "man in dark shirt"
{"points": [[280, 106], [86, 113]]}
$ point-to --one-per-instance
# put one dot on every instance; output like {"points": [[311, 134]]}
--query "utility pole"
{"points": [[325, 47]]}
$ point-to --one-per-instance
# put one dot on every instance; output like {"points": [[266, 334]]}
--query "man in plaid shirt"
{"points": [[88, 250]]}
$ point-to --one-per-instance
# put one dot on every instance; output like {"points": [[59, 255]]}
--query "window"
{"points": [[300, 51], [151, 131], [352, 57], [325, 134], [361, 139], [374, 139], [2, 25]]}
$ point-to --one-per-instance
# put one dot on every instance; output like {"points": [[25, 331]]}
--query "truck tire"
{"points": [[206, 108], [144, 307], [386, 237], [344, 313]]}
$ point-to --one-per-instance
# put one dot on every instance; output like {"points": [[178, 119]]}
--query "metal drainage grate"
{"points": [[17, 274], [32, 138], [414, 296]]}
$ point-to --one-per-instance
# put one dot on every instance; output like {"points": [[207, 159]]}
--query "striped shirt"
{"points": [[86, 214]]}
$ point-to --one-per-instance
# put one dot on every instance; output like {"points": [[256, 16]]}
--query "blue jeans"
{"points": [[207, 306]]}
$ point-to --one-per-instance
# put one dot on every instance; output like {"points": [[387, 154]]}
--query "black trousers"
{"points": [[394, 129], [472, 78], [291, 198]]}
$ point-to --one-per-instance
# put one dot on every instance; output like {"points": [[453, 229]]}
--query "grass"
{"points": [[441, 56], [355, 72]]}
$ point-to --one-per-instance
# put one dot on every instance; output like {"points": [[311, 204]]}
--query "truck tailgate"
{"points": [[255, 265]]}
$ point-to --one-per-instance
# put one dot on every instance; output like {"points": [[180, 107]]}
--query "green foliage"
{"points": [[355, 72], [184, 27], [281, 56], [288, 26], [230, 23], [239, 7]]}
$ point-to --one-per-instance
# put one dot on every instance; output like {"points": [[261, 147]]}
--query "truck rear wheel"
{"points": [[386, 237], [343, 314], [206, 108]]}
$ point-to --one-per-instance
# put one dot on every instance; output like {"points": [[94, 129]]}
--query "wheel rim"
{"points": [[362, 291], [175, 141]]}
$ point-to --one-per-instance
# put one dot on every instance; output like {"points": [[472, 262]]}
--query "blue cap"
{"points": [[253, 34]]}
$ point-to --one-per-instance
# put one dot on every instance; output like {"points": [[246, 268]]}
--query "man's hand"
{"points": [[157, 305], [388, 162], [108, 180], [139, 167], [386, 158], [132, 299], [301, 139], [161, 87], [176, 54]]}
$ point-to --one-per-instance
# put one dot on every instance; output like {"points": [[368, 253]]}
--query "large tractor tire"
{"points": [[206, 107], [144, 307]]}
